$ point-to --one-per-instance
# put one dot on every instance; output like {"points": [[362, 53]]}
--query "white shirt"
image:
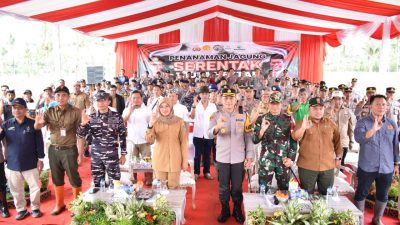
{"points": [[137, 124], [181, 112], [202, 120], [154, 103]]}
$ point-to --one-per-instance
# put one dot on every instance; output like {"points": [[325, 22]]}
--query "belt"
{"points": [[62, 147]]}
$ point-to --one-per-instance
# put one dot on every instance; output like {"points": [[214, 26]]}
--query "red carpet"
{"points": [[206, 213]]}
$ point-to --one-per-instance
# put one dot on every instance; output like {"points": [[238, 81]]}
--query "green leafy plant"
{"points": [[319, 213], [162, 211], [342, 218], [256, 217], [290, 215], [44, 179]]}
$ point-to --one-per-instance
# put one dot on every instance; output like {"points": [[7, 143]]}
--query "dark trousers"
{"points": [[345, 150], [230, 177], [202, 147], [383, 182], [3, 180], [64, 162], [323, 179]]}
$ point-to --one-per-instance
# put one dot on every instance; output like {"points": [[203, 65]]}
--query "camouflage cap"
{"points": [[275, 98], [102, 95]]}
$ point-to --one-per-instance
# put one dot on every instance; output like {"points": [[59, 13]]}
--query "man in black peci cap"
{"points": [[64, 155]]}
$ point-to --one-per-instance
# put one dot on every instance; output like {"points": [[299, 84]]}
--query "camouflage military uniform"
{"points": [[188, 99], [276, 144], [108, 132]]}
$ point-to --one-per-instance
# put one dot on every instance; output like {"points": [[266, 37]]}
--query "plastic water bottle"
{"points": [[158, 186], [102, 185], [329, 193], [262, 190]]}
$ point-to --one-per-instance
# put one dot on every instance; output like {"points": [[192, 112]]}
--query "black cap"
{"points": [[192, 84], [19, 101], [316, 101], [323, 88], [348, 89], [108, 82], [332, 89], [277, 79], [371, 89], [27, 92], [204, 89], [285, 70], [102, 95], [228, 92], [342, 86], [184, 81], [304, 81], [354, 80], [391, 89], [126, 82], [322, 83], [62, 89], [276, 88], [295, 84], [11, 91]]}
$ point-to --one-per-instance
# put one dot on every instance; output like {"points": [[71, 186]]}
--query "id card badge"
{"points": [[240, 119], [63, 132]]}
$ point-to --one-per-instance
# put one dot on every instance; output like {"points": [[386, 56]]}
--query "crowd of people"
{"points": [[239, 120]]}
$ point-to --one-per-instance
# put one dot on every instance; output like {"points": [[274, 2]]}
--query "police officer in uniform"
{"points": [[363, 107], [108, 132], [278, 149], [393, 111], [235, 152], [249, 102]]}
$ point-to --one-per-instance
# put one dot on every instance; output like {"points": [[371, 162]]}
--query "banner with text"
{"points": [[213, 56]]}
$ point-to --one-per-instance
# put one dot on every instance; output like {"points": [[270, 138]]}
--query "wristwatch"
{"points": [[338, 158]]}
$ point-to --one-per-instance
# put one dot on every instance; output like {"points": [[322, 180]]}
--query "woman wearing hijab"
{"points": [[171, 144]]}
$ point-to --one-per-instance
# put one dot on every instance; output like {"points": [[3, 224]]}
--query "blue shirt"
{"points": [[379, 152], [24, 144]]}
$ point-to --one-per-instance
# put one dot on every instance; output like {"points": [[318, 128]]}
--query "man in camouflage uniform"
{"points": [[278, 149], [363, 108], [108, 132], [188, 97], [393, 111]]}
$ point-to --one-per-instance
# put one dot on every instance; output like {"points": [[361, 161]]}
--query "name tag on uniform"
{"points": [[389, 127], [240, 118], [63, 132]]}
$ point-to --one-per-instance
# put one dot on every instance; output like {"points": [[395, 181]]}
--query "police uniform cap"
{"points": [[331, 89], [102, 95], [322, 83], [249, 88], [342, 86], [354, 80], [371, 89], [303, 81], [62, 89], [348, 89], [184, 81], [316, 101], [275, 98], [27, 92], [295, 84], [323, 88], [277, 79], [391, 89], [242, 86], [295, 79], [228, 92], [287, 78]]}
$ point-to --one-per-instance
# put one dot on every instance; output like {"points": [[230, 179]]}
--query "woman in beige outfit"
{"points": [[171, 144]]}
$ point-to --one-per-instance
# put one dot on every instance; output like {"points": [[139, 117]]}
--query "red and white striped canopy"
{"points": [[123, 20]]}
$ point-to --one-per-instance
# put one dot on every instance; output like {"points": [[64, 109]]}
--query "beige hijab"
{"points": [[169, 119]]}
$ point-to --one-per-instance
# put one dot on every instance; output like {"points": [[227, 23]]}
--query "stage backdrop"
{"points": [[213, 56]]}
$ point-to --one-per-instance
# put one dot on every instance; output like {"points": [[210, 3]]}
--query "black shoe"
{"points": [[87, 153], [36, 213], [4, 212], [94, 190], [22, 215], [237, 214], [225, 214]]}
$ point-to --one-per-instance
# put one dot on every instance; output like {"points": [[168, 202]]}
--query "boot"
{"points": [[4, 208], [60, 206], [225, 213], [237, 213], [76, 192], [379, 208], [360, 205]]}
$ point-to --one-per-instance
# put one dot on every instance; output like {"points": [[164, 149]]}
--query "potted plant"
{"points": [[290, 215], [342, 218], [256, 217], [319, 213]]}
